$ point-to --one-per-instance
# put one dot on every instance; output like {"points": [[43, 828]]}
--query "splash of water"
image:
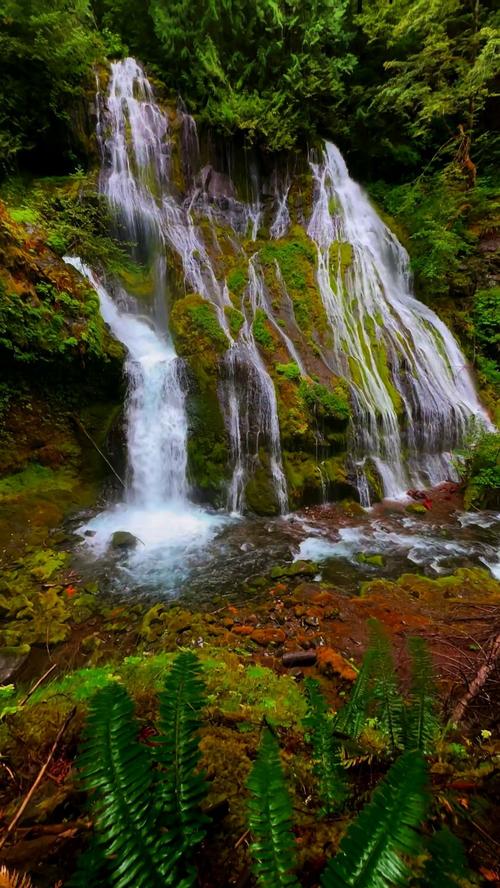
{"points": [[401, 361]]}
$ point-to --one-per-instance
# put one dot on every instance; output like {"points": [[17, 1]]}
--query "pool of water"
{"points": [[197, 556]]}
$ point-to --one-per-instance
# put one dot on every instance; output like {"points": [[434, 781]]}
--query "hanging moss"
{"points": [[261, 330], [196, 329], [235, 320], [326, 404]]}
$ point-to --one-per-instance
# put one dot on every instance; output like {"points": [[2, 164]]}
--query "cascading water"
{"points": [[404, 367], [411, 391], [134, 177], [251, 408]]}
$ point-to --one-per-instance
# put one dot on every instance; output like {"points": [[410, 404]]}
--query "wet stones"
{"points": [[122, 539]]}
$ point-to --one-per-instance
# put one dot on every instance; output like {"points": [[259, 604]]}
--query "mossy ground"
{"points": [[240, 651]]}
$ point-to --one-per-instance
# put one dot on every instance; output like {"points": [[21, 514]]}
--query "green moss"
{"points": [[259, 491], [196, 328], [261, 330], [35, 478], [237, 281], [289, 371], [326, 404], [235, 320], [296, 257], [341, 252]]}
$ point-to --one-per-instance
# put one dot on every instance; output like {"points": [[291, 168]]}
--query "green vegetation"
{"points": [[270, 819], [261, 330], [325, 404], [290, 371]]}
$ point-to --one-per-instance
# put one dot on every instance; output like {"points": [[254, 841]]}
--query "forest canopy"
{"points": [[409, 73]]}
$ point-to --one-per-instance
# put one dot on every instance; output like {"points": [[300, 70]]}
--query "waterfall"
{"points": [[133, 136], [251, 407], [411, 389], [133, 178]]}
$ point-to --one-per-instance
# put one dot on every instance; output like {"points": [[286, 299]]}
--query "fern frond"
{"points": [[117, 774], [10, 879], [270, 819], [447, 865], [352, 717], [422, 724], [370, 852], [388, 700], [182, 788], [327, 769]]}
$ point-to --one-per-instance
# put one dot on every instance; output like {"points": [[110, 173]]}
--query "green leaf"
{"points": [[371, 852], [270, 819]]}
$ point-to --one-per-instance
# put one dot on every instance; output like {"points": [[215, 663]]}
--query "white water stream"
{"points": [[377, 323]]}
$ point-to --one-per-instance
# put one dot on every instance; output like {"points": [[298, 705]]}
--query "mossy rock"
{"points": [[196, 330], [375, 560], [260, 496], [416, 509], [296, 569], [122, 539]]}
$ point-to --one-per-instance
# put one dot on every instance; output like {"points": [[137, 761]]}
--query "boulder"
{"points": [[122, 539]]}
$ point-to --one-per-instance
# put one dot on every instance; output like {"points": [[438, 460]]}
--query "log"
{"points": [[299, 658]]}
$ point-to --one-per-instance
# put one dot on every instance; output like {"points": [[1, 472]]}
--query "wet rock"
{"points": [[266, 637], [11, 658], [416, 509], [297, 569], [374, 560], [122, 539]]}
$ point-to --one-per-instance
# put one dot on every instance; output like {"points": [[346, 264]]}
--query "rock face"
{"points": [[122, 539]]}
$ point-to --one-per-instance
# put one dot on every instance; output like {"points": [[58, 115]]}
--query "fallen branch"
{"points": [[479, 681], [38, 683], [38, 779], [82, 428]]}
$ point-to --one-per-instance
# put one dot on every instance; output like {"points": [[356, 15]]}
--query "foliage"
{"points": [[132, 805], [385, 691], [371, 853], [182, 789], [47, 48], [439, 59], [116, 770], [326, 749], [422, 724], [409, 723], [273, 70], [270, 819], [323, 403], [260, 329], [486, 316], [290, 371], [446, 865]]}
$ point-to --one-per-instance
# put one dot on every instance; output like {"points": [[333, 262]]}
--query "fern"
{"points": [[270, 819], [10, 879], [352, 717], [369, 855], [182, 788], [388, 701], [327, 767], [422, 724], [117, 773], [447, 865]]}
